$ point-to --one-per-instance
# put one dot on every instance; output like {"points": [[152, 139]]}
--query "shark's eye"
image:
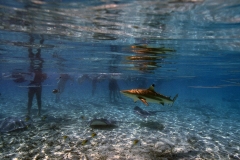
{"points": [[153, 85]]}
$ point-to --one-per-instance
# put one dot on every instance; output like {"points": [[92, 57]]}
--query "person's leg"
{"points": [[30, 99], [114, 96], [57, 99], [94, 85], [61, 88], [110, 95], [39, 99]]}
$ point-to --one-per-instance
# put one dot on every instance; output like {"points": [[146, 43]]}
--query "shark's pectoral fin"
{"points": [[162, 103], [143, 100], [135, 100]]}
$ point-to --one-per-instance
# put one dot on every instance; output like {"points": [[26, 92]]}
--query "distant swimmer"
{"points": [[148, 95], [18, 76], [95, 78], [83, 78]]}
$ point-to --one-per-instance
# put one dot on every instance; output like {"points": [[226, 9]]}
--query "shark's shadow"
{"points": [[106, 124], [143, 113]]}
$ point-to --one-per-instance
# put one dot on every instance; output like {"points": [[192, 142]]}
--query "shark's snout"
{"points": [[124, 91]]}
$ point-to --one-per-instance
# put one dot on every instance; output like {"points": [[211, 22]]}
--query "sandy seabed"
{"points": [[181, 132]]}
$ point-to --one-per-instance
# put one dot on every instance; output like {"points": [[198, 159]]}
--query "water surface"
{"points": [[185, 47]]}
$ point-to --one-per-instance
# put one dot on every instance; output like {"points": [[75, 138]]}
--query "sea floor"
{"points": [[188, 130]]}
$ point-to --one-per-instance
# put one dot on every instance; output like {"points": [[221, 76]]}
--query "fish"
{"points": [[136, 142], [148, 95], [55, 91], [82, 117], [27, 118], [66, 138], [144, 113], [93, 134], [86, 141], [44, 117]]}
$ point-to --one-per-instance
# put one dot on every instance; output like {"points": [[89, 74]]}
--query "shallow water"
{"points": [[190, 48]]}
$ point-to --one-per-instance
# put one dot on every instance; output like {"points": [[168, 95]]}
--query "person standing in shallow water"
{"points": [[35, 85], [113, 90]]}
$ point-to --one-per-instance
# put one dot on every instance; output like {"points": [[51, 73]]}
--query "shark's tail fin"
{"points": [[174, 99]]}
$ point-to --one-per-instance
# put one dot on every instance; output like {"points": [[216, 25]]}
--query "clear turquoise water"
{"points": [[115, 38]]}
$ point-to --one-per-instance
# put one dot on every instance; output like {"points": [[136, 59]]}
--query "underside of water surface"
{"points": [[119, 79]]}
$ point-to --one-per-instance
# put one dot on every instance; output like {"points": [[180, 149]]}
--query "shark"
{"points": [[148, 96]]}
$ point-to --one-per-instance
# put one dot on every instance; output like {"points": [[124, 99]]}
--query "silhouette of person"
{"points": [[97, 79], [94, 78], [113, 90], [61, 85], [83, 78], [35, 85], [17, 76], [94, 85]]}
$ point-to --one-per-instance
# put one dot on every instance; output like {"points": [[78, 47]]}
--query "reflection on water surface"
{"points": [[189, 47]]}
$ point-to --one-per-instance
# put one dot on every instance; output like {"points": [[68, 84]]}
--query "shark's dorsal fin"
{"points": [[151, 88]]}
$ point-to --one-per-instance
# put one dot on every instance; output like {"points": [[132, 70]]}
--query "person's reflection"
{"points": [[35, 86]]}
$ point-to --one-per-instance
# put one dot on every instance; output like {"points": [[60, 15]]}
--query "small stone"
{"points": [[111, 148], [53, 126], [36, 138], [104, 142], [57, 148], [40, 156], [159, 145], [67, 150], [12, 140], [47, 150], [33, 152], [72, 156], [50, 143], [83, 157]]}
